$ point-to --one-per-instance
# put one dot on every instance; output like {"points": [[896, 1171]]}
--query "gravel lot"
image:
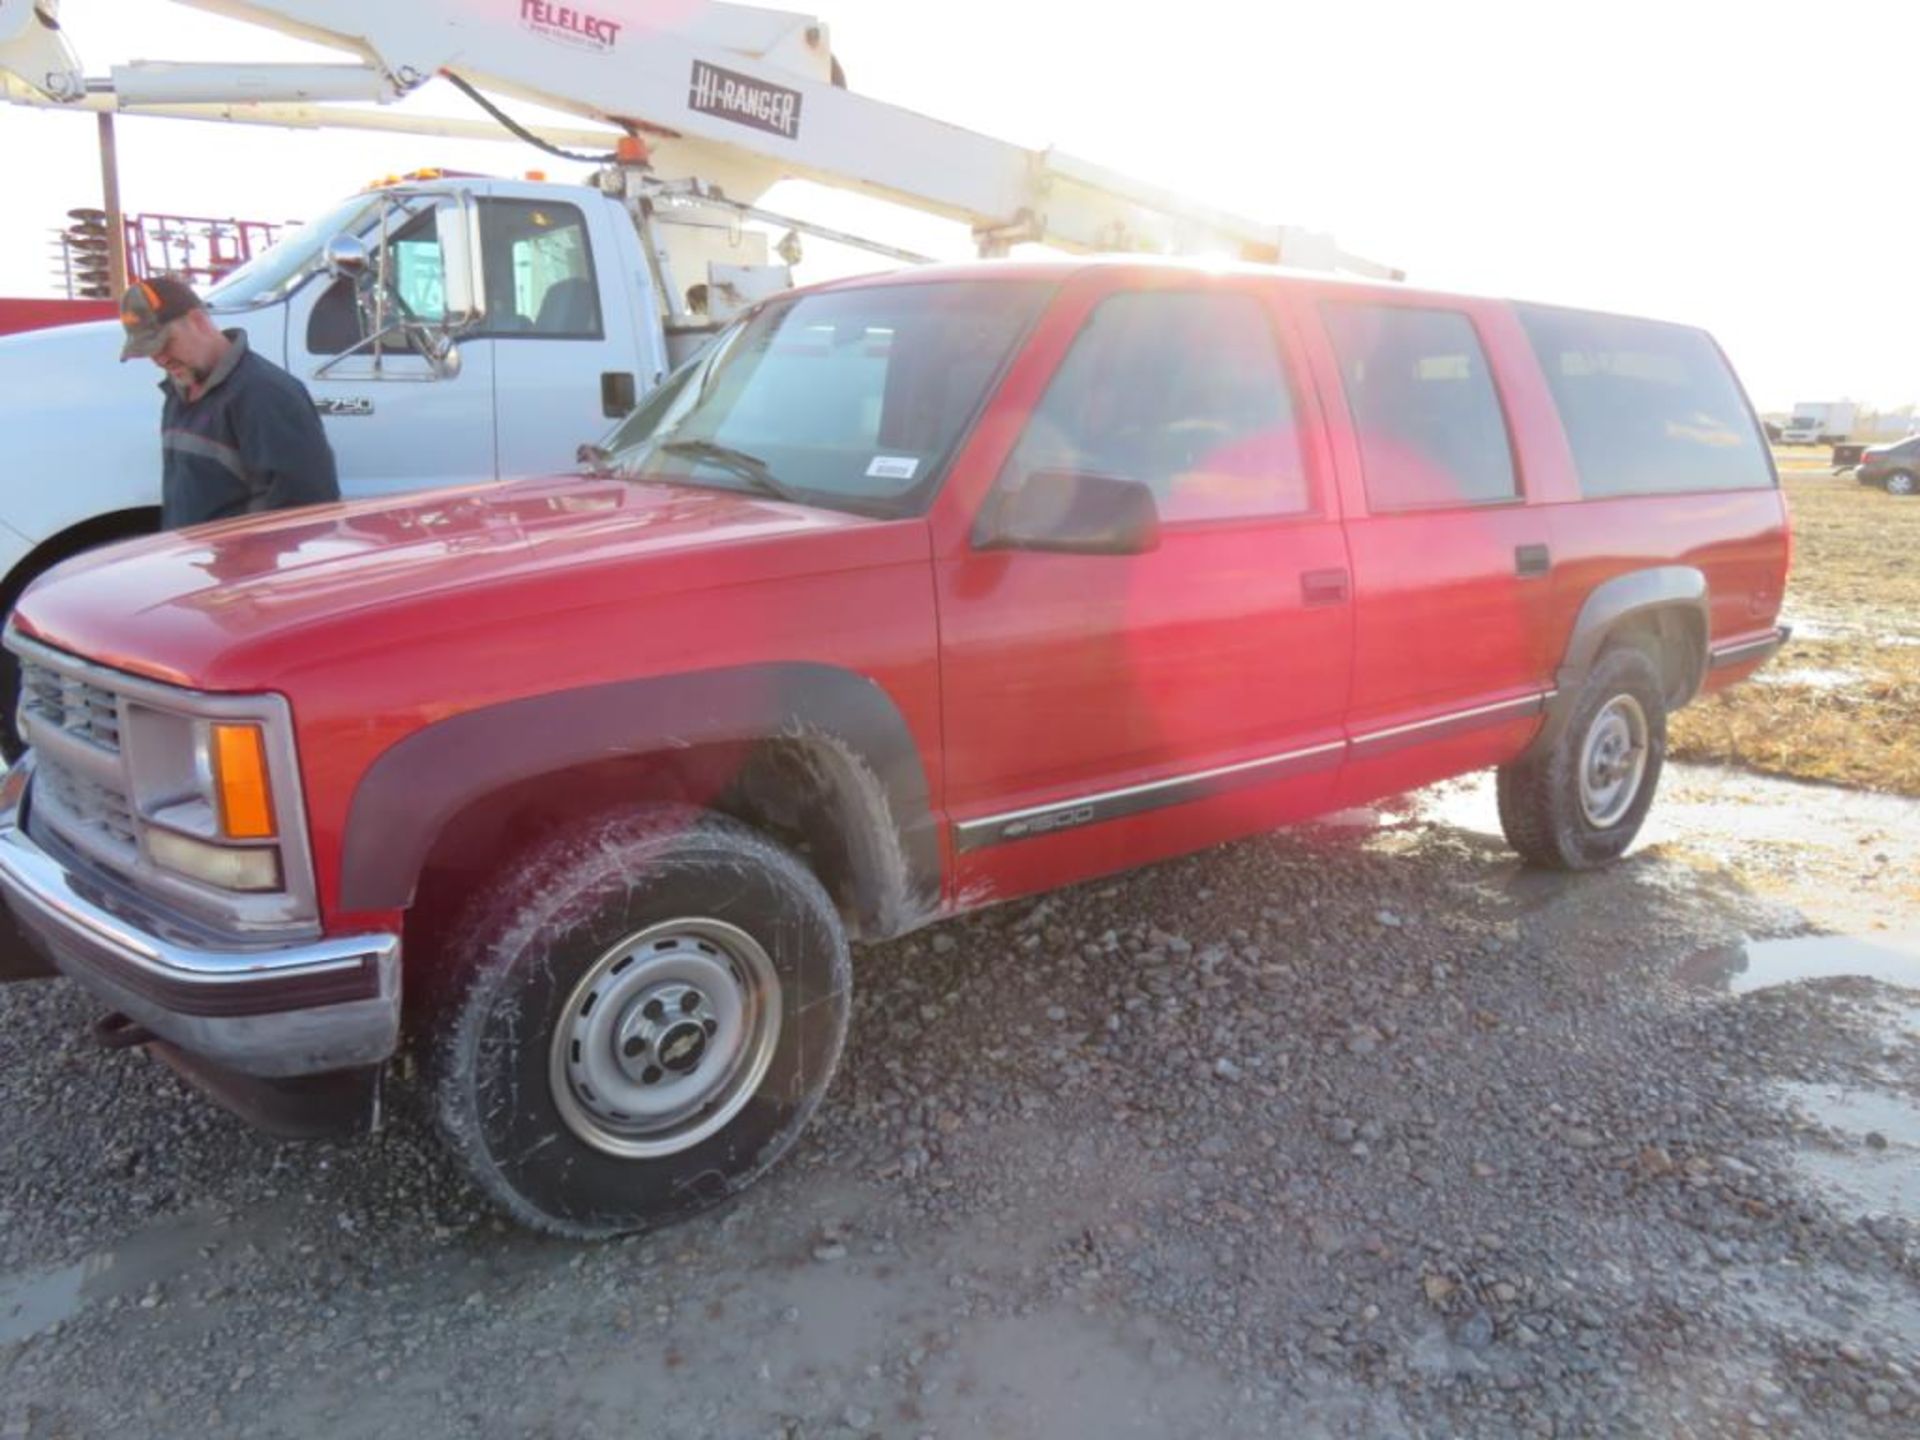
{"points": [[1353, 1130]]}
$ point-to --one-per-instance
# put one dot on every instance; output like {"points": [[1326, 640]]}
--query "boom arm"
{"points": [[737, 96]]}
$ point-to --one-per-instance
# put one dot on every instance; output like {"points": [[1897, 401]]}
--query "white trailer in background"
{"points": [[1819, 422]]}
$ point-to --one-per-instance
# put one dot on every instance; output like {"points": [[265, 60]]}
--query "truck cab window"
{"points": [[415, 287], [540, 279], [418, 277]]}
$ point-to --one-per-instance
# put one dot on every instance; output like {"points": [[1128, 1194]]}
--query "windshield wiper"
{"points": [[750, 468]]}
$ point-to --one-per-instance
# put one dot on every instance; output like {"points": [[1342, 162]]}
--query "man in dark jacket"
{"points": [[238, 434]]}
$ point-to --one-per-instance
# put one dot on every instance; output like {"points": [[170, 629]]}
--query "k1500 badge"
{"points": [[1052, 820]]}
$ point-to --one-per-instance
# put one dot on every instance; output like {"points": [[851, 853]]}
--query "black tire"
{"points": [[1901, 482], [1546, 813], [10, 747], [543, 947]]}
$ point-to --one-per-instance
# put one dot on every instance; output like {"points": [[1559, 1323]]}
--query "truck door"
{"points": [[1107, 709], [567, 354], [398, 420], [1452, 568]]}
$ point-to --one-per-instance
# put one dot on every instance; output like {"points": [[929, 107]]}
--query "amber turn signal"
{"points": [[240, 779]]}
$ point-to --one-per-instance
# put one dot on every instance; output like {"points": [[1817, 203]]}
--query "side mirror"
{"points": [[462, 271], [348, 257], [1073, 513]]}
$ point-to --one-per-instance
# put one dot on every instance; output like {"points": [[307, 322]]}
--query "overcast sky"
{"points": [[1753, 168]]}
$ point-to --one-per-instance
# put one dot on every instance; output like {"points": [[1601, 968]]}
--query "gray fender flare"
{"points": [[853, 737], [1638, 592]]}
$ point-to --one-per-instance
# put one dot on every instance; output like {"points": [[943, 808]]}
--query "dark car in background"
{"points": [[1895, 467]]}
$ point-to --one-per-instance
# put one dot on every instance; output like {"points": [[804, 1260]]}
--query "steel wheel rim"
{"points": [[1613, 761], [665, 1038]]}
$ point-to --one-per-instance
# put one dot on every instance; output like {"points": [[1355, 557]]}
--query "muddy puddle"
{"points": [[1809, 678], [134, 1270], [1764, 964], [1862, 1148], [1808, 857], [30, 1304], [1846, 861], [1835, 628]]}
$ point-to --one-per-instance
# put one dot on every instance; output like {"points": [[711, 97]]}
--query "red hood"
{"points": [[210, 606]]}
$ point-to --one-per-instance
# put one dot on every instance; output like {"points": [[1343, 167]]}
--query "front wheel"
{"points": [[1901, 482], [1578, 804], [651, 1009]]}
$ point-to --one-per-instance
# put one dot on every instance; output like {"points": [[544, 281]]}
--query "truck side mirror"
{"points": [[462, 271], [348, 258], [1072, 513]]}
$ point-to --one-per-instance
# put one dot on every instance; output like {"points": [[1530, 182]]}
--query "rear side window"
{"points": [[1649, 408], [1422, 399], [1182, 391]]}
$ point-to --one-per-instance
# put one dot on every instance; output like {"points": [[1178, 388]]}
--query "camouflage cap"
{"points": [[146, 310]]}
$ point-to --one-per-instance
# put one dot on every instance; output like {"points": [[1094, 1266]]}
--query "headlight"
{"points": [[220, 865], [206, 795]]}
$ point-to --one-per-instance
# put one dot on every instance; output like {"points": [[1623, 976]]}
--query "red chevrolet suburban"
{"points": [[911, 594]]}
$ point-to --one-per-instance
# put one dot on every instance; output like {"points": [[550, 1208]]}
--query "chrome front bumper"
{"points": [[275, 1012]]}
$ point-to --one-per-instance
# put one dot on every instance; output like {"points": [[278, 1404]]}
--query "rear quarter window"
{"points": [[1648, 408]]}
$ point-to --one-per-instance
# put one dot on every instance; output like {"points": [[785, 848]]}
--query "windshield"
{"points": [[275, 270], [850, 399]]}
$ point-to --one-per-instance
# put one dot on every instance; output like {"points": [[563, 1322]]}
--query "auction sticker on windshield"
{"points": [[892, 467]]}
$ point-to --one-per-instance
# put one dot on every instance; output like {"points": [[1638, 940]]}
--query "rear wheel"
{"points": [[1579, 803], [1902, 482], [652, 1008]]}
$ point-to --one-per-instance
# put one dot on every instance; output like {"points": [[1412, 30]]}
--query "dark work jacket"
{"points": [[252, 441]]}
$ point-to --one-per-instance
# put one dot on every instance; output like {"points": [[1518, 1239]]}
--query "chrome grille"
{"points": [[71, 704], [81, 789], [84, 810], [91, 728]]}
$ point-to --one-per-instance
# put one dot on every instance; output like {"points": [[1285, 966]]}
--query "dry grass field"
{"points": [[1841, 703]]}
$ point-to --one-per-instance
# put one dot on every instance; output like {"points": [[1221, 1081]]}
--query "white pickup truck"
{"points": [[568, 333], [447, 329]]}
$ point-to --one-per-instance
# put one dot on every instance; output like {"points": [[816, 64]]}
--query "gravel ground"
{"points": [[1353, 1130]]}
